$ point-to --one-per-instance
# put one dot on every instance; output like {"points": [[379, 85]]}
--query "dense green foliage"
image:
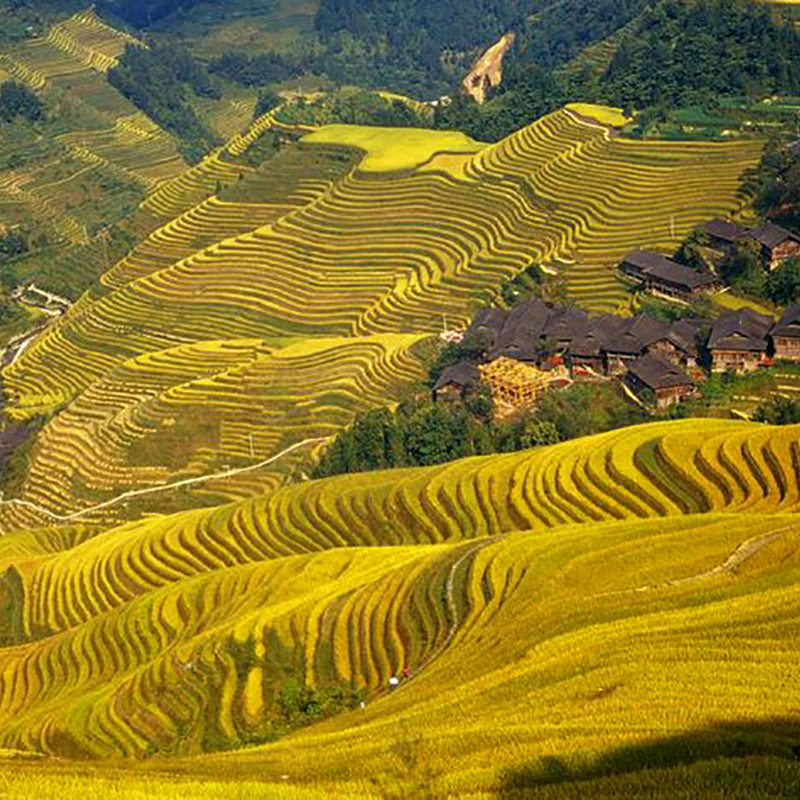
{"points": [[528, 93], [743, 267], [779, 411], [776, 185], [301, 705], [683, 53], [352, 107], [142, 13], [257, 70], [158, 80], [16, 99], [528, 283], [266, 102], [12, 244], [559, 30], [401, 43], [782, 285], [424, 432], [419, 433]]}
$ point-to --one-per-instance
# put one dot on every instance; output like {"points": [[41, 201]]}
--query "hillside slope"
{"points": [[570, 613], [294, 250]]}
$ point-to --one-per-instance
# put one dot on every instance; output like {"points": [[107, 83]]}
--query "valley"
{"points": [[236, 241]]}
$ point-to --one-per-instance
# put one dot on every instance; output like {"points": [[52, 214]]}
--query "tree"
{"points": [[538, 433], [783, 283], [743, 266], [703, 50], [690, 253], [266, 102], [778, 411], [16, 100], [157, 80]]}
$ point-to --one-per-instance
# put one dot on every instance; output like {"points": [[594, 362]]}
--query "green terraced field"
{"points": [[439, 246], [613, 603], [294, 250], [71, 62], [601, 618]]}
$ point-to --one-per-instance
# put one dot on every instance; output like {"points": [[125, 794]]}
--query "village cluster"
{"points": [[537, 346], [662, 276]]}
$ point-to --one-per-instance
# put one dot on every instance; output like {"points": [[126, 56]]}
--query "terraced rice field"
{"points": [[200, 409], [311, 246], [227, 117], [394, 149], [219, 169], [86, 37], [69, 64], [439, 245], [636, 589]]}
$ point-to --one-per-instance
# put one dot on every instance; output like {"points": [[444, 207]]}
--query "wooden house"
{"points": [[723, 234], [628, 338], [664, 277], [453, 381], [679, 343], [667, 382], [776, 243], [786, 335], [739, 341]]}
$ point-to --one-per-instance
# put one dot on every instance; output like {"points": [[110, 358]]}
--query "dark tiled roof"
{"points": [[646, 260], [486, 326], [789, 324], [657, 373], [771, 235], [566, 324], [722, 229], [744, 329], [678, 275], [664, 270], [633, 335], [459, 374], [683, 334], [585, 346], [600, 331], [519, 336]]}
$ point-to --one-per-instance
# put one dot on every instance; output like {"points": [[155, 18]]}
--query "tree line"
{"points": [[158, 80], [17, 100], [423, 432], [143, 13], [672, 53]]}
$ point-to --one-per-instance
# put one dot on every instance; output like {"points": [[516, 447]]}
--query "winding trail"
{"points": [[452, 608], [54, 307], [742, 553], [165, 487]]}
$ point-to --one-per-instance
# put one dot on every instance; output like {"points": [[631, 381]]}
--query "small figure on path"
{"points": [[406, 672], [393, 682]]}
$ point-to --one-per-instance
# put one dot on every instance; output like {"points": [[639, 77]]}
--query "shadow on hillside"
{"points": [[774, 739]]}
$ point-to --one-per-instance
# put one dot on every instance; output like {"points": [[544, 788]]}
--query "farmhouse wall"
{"points": [[787, 347], [736, 360]]}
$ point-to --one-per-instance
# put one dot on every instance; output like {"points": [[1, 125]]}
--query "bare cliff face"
{"points": [[487, 73]]}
